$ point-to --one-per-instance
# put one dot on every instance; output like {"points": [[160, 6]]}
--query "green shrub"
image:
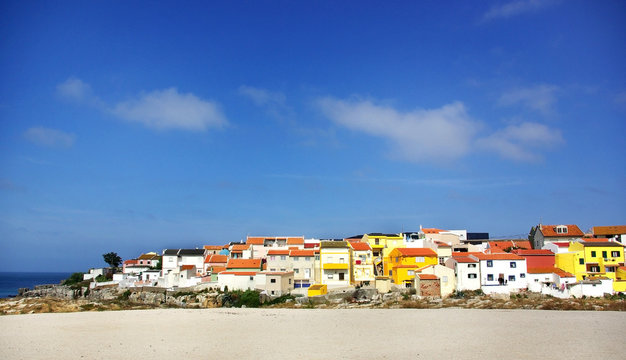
{"points": [[101, 278], [280, 300], [75, 278]]}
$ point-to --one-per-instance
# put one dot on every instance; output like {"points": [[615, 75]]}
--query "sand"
{"points": [[315, 334]]}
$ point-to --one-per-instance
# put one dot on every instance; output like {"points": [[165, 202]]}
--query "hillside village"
{"points": [[556, 260]]}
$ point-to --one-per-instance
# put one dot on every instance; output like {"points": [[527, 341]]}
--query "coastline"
{"points": [[229, 333]]}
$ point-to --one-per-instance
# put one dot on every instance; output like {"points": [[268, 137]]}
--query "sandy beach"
{"points": [[314, 334]]}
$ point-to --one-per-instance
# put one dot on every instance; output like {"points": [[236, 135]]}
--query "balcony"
{"points": [[335, 266]]}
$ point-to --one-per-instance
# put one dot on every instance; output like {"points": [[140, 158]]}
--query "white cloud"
{"points": [[160, 109], [521, 142], [513, 8], [443, 134], [540, 98], [261, 96], [49, 137], [421, 135], [169, 109]]}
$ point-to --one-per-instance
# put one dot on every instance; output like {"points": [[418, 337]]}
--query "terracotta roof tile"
{"points": [[243, 263], [525, 252], [295, 253], [431, 230], [217, 269], [212, 247], [427, 276], [501, 245], [609, 230], [464, 259], [360, 246], [549, 270], [216, 258], [240, 247], [238, 273], [417, 251], [550, 231], [499, 256], [255, 240], [187, 267], [295, 241], [561, 244], [278, 252]]}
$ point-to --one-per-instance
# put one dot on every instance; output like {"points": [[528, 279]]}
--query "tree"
{"points": [[112, 259]]}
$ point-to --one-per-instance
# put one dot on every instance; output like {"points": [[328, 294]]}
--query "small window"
{"points": [[471, 276], [522, 275], [511, 277], [489, 277], [289, 281], [283, 257], [251, 277], [272, 257], [317, 257], [512, 264], [308, 258], [614, 253], [390, 272], [581, 261], [604, 254], [593, 254], [296, 271], [377, 242], [273, 281], [471, 265], [296, 258], [489, 263], [411, 272], [330, 276]]}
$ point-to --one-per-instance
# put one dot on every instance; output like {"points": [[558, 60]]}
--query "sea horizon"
{"points": [[11, 281]]}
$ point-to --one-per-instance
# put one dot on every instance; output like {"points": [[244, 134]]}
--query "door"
{"points": [[307, 273]]}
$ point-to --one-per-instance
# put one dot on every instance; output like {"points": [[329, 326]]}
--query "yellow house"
{"points": [[382, 245], [335, 263], [597, 257], [403, 262]]}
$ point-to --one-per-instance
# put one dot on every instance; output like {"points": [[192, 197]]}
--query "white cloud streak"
{"points": [[444, 134], [540, 98], [49, 137], [514, 8], [166, 109], [262, 97]]}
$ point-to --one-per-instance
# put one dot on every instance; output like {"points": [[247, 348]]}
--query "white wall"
{"points": [[503, 267], [236, 282]]}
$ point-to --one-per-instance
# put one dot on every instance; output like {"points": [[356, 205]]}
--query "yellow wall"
{"points": [[401, 275], [317, 289], [591, 254]]}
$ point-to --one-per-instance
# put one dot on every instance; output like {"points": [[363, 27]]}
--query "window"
{"points": [[171, 259], [411, 272], [444, 279], [283, 257], [471, 265], [604, 254], [489, 263], [511, 277], [522, 275], [283, 269], [296, 258], [341, 276], [512, 264], [273, 269], [272, 292], [441, 260], [296, 271], [581, 261], [614, 253], [390, 272], [561, 229], [342, 260], [308, 258], [272, 257], [273, 281], [489, 277], [593, 254], [251, 277], [289, 281], [609, 268], [471, 276], [377, 242], [317, 257], [330, 276]]}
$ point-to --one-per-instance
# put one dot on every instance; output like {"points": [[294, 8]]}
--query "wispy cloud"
{"points": [[169, 109], [421, 135], [514, 8], [274, 102], [521, 142], [49, 137], [166, 109], [444, 134], [540, 98]]}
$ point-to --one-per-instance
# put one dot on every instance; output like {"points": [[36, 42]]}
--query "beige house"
{"points": [[279, 260], [362, 263], [447, 278], [303, 264], [275, 283]]}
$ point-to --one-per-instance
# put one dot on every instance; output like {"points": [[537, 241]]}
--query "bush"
{"points": [[75, 278], [238, 298], [101, 278], [280, 300]]}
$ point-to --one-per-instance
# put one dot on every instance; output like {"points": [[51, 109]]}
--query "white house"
{"points": [[592, 287], [173, 259], [502, 272], [467, 270], [236, 280], [552, 281], [447, 278]]}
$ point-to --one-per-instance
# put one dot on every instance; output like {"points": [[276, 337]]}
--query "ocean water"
{"points": [[11, 281]]}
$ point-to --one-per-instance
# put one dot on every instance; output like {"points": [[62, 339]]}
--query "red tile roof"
{"points": [[217, 269], [549, 270], [442, 244], [596, 240], [187, 267], [427, 276], [561, 244], [295, 241], [609, 230], [244, 263], [240, 247], [311, 245], [550, 231], [255, 240], [295, 253], [525, 252], [212, 247], [278, 252], [238, 273], [406, 266], [360, 246], [417, 251], [496, 246], [431, 230], [464, 259], [499, 256], [216, 258]]}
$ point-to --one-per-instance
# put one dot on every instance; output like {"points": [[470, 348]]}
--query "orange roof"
{"points": [[238, 273], [455, 254], [550, 231], [278, 252], [212, 247], [609, 230], [217, 269], [524, 252], [465, 259], [442, 244], [417, 251], [255, 240], [500, 245], [294, 248], [294, 253], [360, 246], [549, 270], [244, 263], [561, 244], [427, 276], [240, 247], [431, 231], [406, 266], [187, 267], [499, 256], [216, 258], [596, 240], [295, 241]]}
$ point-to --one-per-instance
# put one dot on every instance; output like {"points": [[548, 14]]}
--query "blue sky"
{"points": [[137, 126]]}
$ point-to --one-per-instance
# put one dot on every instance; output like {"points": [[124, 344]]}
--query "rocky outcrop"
{"points": [[52, 291]]}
